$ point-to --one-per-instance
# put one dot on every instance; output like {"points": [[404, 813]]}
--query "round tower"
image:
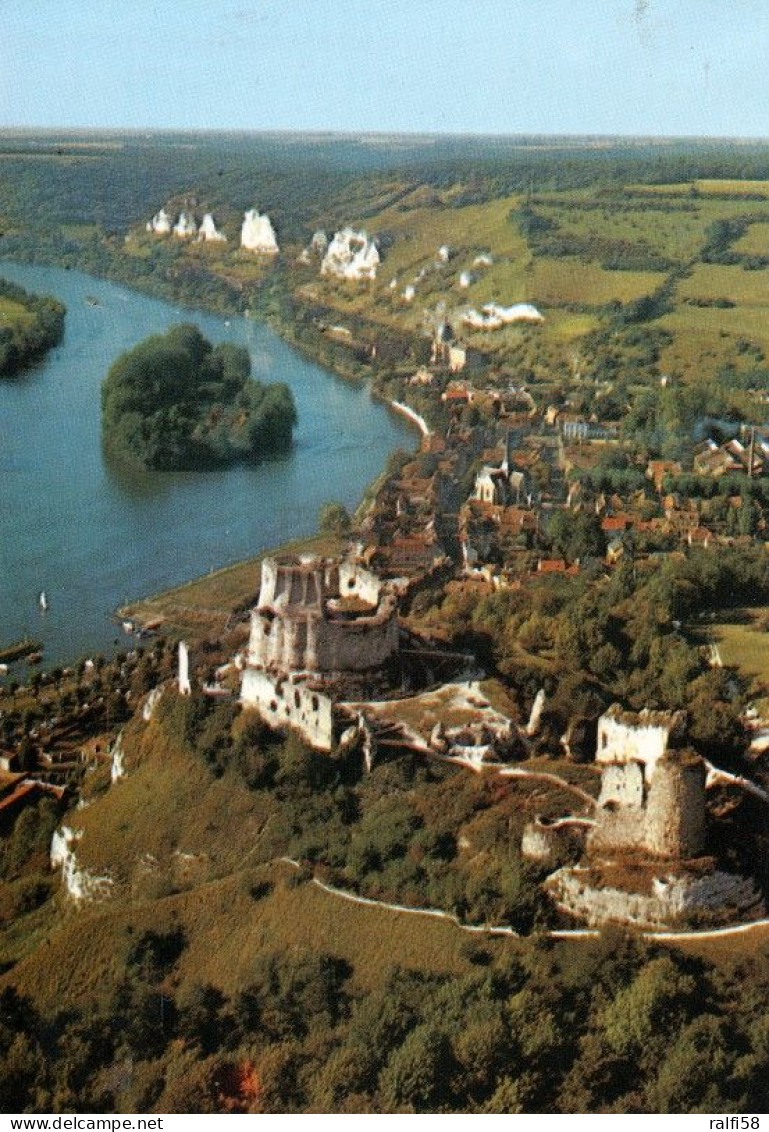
{"points": [[675, 809]]}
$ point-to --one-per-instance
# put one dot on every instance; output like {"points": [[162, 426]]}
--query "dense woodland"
{"points": [[33, 324], [175, 402]]}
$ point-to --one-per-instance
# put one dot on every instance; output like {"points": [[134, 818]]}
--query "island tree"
{"points": [[177, 402]]}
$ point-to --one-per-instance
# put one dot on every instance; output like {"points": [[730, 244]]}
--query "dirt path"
{"points": [[489, 929]]}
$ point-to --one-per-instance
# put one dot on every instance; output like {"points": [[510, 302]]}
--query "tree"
{"points": [[334, 519]]}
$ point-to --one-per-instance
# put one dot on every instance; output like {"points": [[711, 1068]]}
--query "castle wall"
{"points": [[283, 704], [618, 829], [296, 626], [667, 819], [622, 783], [352, 646], [355, 581], [620, 742], [668, 900]]}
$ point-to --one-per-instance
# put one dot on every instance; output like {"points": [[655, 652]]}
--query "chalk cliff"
{"points": [[351, 255], [257, 234]]}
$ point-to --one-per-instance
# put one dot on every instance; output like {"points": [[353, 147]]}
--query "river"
{"points": [[93, 536]]}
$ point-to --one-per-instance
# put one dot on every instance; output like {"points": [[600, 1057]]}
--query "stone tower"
{"points": [[675, 807]]}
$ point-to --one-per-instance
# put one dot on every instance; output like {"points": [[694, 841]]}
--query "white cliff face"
{"points": [[257, 234], [117, 767], [80, 884], [208, 231], [185, 226], [494, 317], [151, 703], [160, 223], [351, 255]]}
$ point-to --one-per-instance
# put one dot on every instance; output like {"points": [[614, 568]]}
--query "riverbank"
{"points": [[209, 602], [151, 532]]}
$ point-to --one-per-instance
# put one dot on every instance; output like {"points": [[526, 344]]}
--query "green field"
{"points": [[744, 644], [755, 241]]}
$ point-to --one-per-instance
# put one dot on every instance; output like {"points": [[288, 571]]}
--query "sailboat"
{"points": [[42, 601]]}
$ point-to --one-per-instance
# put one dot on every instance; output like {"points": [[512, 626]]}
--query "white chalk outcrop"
{"points": [[151, 702], [208, 231], [257, 234], [117, 766], [80, 884], [160, 223], [351, 255], [493, 316], [185, 226]]}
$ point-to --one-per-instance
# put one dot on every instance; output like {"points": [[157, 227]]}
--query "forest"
{"points": [[175, 402]]}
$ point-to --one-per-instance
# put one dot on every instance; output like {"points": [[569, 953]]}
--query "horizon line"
{"points": [[296, 131]]}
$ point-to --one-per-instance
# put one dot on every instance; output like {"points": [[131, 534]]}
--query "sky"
{"points": [[648, 67]]}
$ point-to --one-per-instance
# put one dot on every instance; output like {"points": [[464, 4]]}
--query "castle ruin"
{"points": [[317, 620], [644, 860]]}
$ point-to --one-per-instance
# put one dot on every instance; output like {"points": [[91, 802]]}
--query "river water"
{"points": [[93, 536]]}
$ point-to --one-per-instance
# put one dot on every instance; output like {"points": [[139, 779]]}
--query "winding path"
{"points": [[490, 929]]}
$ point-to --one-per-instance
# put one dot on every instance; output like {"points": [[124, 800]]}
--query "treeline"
{"points": [[30, 335], [175, 402]]}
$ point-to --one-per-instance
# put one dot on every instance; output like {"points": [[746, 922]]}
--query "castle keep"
{"points": [[644, 859], [652, 794], [316, 620]]}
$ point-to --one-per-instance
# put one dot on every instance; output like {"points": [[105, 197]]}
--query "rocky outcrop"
{"points": [[80, 885], [160, 223], [351, 255], [208, 232], [257, 234], [185, 227]]}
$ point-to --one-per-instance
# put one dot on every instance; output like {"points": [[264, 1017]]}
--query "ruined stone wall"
{"points": [[281, 703], [358, 582], [289, 581], [669, 899], [643, 740], [622, 783], [618, 829], [666, 819], [306, 643], [297, 625], [675, 810], [366, 642]]}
